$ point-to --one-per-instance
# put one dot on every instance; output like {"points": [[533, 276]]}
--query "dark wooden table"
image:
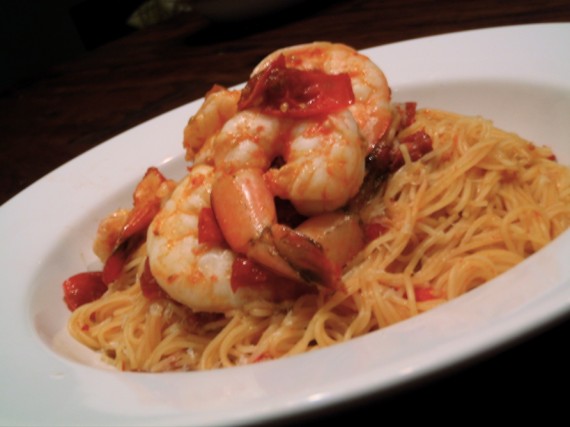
{"points": [[71, 107]]}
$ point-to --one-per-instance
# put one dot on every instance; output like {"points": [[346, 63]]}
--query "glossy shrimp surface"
{"points": [[371, 108], [197, 274], [324, 164], [151, 192], [218, 107], [323, 155], [300, 130]]}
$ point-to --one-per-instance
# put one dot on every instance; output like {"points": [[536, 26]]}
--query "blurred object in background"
{"points": [[37, 34], [237, 10], [99, 22], [34, 35], [152, 12]]}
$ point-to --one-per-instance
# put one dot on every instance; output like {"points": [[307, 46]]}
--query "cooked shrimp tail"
{"points": [[123, 231], [220, 104], [243, 207], [306, 256], [245, 211], [203, 275], [299, 131]]}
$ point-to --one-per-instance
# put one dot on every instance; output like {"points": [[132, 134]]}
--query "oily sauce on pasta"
{"points": [[446, 221]]}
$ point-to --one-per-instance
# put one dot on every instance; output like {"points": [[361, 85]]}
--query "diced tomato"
{"points": [[149, 286], [423, 294], [373, 231], [83, 288], [418, 144], [248, 273], [208, 229], [115, 263], [289, 92], [407, 113], [261, 357]]}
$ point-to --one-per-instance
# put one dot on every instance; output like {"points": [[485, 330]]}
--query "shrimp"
{"points": [[218, 107], [119, 235], [303, 126], [201, 274], [246, 215], [124, 224], [323, 158], [300, 130], [371, 109], [323, 153]]}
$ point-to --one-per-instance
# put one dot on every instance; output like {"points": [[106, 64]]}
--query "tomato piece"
{"points": [[418, 144], [408, 114], [261, 357], [373, 230], [149, 286], [83, 288], [293, 93], [208, 229], [248, 273], [115, 263], [423, 294]]}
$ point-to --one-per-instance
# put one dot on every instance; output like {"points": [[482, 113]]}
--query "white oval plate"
{"points": [[517, 76]]}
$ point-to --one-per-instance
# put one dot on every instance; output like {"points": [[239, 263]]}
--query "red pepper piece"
{"points": [[293, 93], [149, 286], [114, 264], [407, 113], [423, 294], [83, 288], [208, 229], [248, 273], [373, 230], [418, 143]]}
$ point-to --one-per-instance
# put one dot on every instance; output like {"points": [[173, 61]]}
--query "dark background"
{"points": [[39, 33]]}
